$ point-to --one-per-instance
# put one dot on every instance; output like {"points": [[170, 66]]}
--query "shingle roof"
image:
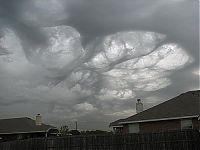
{"points": [[21, 125], [116, 123], [186, 104]]}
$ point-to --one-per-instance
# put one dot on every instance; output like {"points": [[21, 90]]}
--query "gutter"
{"points": [[45, 131], [117, 126], [161, 119]]}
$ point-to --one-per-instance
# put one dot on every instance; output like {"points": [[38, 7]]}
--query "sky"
{"points": [[90, 60]]}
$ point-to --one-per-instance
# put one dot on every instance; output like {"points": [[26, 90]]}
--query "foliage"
{"points": [[64, 130], [96, 132]]}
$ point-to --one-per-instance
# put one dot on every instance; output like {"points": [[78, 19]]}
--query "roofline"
{"points": [[45, 131], [117, 126], [52, 128], [162, 119], [26, 118], [15, 118], [24, 132]]}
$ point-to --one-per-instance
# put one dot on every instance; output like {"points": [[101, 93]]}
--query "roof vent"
{"points": [[38, 120], [139, 106]]}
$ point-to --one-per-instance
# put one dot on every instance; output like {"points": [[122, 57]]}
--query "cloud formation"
{"points": [[74, 60]]}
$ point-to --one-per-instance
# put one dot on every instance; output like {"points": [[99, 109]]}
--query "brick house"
{"points": [[179, 113], [23, 128]]}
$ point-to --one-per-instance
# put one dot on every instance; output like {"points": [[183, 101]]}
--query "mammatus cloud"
{"points": [[63, 47], [117, 68], [66, 61]]}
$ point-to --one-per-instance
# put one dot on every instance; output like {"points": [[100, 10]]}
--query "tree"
{"points": [[64, 130], [96, 132]]}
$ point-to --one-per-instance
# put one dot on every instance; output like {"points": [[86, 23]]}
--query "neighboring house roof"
{"points": [[186, 105], [21, 125], [116, 123]]}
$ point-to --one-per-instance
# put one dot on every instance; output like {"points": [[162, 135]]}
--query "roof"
{"points": [[185, 105], [21, 125], [116, 123]]}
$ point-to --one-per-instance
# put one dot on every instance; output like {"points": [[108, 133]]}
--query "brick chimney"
{"points": [[139, 106], [38, 120]]}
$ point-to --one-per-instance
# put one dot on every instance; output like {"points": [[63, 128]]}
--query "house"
{"points": [[179, 113], [23, 128]]}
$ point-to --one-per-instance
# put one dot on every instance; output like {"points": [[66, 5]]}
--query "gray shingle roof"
{"points": [[21, 125], [116, 123], [186, 104]]}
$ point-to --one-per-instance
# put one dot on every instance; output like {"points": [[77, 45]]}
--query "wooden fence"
{"points": [[182, 140]]}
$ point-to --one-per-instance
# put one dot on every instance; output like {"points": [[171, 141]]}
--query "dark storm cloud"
{"points": [[177, 19], [83, 88], [10, 11]]}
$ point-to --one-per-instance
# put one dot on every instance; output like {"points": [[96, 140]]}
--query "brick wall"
{"points": [[196, 123], [159, 126], [125, 129]]}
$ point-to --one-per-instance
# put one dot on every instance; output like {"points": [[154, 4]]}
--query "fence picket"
{"points": [[184, 140]]}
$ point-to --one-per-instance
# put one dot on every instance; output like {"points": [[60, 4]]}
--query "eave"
{"points": [[161, 119]]}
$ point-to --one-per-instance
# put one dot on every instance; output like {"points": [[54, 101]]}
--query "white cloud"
{"points": [[64, 46], [15, 61], [124, 113], [153, 85], [123, 46], [197, 72], [122, 79], [84, 108], [109, 94], [172, 57]]}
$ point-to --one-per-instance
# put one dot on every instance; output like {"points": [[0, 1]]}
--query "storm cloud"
{"points": [[89, 60]]}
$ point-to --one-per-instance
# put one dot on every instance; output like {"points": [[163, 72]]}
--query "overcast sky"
{"points": [[89, 60]]}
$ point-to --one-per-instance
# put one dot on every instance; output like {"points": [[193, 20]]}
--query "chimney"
{"points": [[38, 120], [139, 106]]}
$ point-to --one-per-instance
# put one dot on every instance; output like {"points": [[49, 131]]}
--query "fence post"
{"points": [[125, 142], [84, 143]]}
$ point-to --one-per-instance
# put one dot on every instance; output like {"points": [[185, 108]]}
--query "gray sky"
{"points": [[89, 60]]}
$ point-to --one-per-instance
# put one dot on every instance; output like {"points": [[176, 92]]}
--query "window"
{"points": [[133, 128], [186, 124]]}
